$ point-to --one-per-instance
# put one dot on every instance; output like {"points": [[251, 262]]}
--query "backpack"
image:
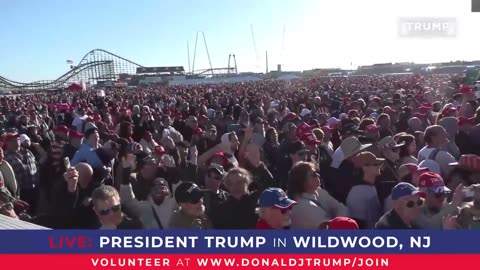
{"points": [[430, 161]]}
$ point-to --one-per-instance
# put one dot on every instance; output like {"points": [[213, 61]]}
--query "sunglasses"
{"points": [[106, 212], [285, 211], [7, 207], [411, 204]]}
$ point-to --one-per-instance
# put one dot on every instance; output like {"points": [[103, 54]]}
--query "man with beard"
{"points": [[155, 212], [191, 214]]}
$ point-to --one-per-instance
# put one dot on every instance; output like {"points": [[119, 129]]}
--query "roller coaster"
{"points": [[99, 65]]}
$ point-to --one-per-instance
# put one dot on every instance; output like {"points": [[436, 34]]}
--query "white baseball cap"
{"points": [[24, 138]]}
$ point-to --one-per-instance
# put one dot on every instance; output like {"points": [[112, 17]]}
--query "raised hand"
{"points": [[71, 177], [168, 161], [252, 154]]}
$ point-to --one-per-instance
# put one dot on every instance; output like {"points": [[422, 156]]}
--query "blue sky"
{"points": [[36, 37]]}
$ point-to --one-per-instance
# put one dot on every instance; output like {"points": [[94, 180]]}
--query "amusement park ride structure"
{"points": [[100, 65]]}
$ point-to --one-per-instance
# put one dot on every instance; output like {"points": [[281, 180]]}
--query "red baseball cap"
{"points": [[197, 131], [303, 129], [75, 134], [462, 120], [310, 139], [447, 110], [202, 117], [159, 150], [62, 129], [10, 136], [409, 168], [291, 116], [342, 223], [372, 128], [465, 89], [432, 181]]}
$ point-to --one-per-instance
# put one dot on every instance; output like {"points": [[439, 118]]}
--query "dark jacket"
{"points": [[237, 214], [392, 221]]}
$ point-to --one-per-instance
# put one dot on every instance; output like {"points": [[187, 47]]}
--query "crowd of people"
{"points": [[358, 152]]}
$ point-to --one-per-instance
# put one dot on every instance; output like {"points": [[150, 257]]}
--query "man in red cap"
{"points": [[340, 223], [436, 208]]}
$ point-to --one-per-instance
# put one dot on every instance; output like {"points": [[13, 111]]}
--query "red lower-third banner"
{"points": [[244, 262]]}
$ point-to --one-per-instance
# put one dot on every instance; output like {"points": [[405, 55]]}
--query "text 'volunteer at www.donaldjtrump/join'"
{"points": [[251, 262]]}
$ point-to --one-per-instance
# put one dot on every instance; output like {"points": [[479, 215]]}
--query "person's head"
{"points": [[436, 136], [372, 131], [434, 187], [415, 124], [214, 176], [147, 167], [191, 122], [12, 141], [410, 173], [182, 149], [271, 135], [340, 223], [410, 146], [407, 201], [210, 132], [76, 138], [365, 123], [275, 207], [232, 139], [383, 121], [291, 131], [91, 134], [189, 197], [311, 142], [465, 124], [111, 149], [297, 151], [147, 136], [319, 134], [166, 120], [107, 206], [390, 149], [25, 141], [369, 164], [302, 177], [237, 181], [159, 190], [23, 120], [327, 133]]}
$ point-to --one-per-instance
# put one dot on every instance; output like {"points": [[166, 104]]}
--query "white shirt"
{"points": [[78, 122], [337, 158]]}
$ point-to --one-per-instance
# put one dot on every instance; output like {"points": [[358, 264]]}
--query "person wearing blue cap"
{"points": [[407, 202], [274, 209]]}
